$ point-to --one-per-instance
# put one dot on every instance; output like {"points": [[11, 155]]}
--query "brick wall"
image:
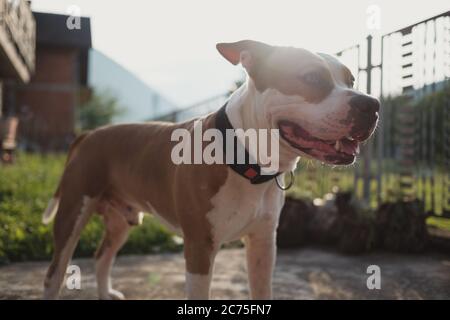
{"points": [[47, 104]]}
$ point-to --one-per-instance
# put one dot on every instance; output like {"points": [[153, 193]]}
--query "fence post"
{"points": [[446, 155], [380, 132], [367, 149]]}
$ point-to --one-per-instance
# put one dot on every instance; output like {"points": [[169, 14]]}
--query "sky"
{"points": [[170, 44]]}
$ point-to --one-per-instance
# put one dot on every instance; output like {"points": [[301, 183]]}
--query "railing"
{"points": [[17, 20], [410, 153]]}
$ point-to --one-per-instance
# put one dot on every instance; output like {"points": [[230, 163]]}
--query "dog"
{"points": [[120, 171]]}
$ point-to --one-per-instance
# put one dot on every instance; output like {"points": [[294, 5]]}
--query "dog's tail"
{"points": [[53, 204]]}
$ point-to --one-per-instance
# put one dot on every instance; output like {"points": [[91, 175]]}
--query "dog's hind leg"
{"points": [[116, 233], [73, 214]]}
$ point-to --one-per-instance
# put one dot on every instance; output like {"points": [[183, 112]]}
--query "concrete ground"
{"points": [[299, 274]]}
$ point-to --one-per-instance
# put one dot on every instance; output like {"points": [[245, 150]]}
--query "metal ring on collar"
{"points": [[291, 182]]}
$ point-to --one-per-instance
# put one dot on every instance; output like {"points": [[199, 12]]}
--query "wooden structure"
{"points": [[17, 40], [17, 63]]}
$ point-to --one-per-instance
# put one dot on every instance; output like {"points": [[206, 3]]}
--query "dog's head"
{"points": [[309, 97]]}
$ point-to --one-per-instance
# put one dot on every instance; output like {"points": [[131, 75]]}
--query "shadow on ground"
{"points": [[299, 274]]}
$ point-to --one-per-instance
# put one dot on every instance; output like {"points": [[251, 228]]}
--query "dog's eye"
{"points": [[351, 81]]}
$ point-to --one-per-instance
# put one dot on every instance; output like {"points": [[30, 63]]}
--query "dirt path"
{"points": [[300, 274]]}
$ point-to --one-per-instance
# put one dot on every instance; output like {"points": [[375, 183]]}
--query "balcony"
{"points": [[17, 40]]}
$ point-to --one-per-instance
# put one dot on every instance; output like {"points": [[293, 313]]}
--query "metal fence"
{"points": [[409, 155]]}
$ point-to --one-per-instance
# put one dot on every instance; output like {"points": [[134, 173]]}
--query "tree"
{"points": [[98, 111]]}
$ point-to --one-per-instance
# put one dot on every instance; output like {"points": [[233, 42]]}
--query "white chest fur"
{"points": [[240, 207]]}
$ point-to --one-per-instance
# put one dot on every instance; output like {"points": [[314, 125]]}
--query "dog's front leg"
{"points": [[261, 252], [199, 268]]}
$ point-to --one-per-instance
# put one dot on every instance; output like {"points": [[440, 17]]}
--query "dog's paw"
{"points": [[112, 295]]}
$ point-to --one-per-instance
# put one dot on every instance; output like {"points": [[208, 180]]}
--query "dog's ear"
{"points": [[248, 52]]}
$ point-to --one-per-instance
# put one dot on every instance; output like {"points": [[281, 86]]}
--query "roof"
{"points": [[51, 29]]}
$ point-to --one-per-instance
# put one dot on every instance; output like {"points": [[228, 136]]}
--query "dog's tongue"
{"points": [[302, 138], [348, 146]]}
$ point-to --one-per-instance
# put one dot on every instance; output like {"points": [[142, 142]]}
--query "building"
{"points": [[44, 98], [48, 70], [46, 104], [138, 100]]}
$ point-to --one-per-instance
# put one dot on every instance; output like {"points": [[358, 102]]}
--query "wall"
{"points": [[46, 105]]}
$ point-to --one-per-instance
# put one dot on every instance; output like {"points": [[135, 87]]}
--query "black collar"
{"points": [[250, 171]]}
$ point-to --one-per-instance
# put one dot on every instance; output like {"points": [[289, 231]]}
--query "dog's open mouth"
{"points": [[341, 151]]}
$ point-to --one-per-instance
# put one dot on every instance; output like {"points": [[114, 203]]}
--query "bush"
{"points": [[99, 110], [342, 222], [25, 189], [402, 226]]}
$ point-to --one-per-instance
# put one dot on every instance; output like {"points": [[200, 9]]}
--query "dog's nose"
{"points": [[364, 104]]}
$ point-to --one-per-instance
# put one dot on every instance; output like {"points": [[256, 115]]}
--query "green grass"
{"points": [[438, 222], [25, 189], [313, 180]]}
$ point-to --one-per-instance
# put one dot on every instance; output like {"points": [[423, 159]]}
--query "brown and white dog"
{"points": [[120, 171]]}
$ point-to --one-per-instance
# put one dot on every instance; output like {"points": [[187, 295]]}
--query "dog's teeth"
{"points": [[357, 149], [350, 138]]}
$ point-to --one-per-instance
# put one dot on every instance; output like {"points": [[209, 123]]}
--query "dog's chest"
{"points": [[240, 207]]}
